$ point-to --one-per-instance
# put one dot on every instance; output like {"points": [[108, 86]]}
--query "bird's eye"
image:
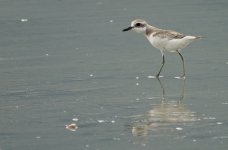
{"points": [[138, 24]]}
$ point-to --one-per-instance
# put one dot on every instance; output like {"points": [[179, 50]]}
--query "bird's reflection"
{"points": [[169, 113]]}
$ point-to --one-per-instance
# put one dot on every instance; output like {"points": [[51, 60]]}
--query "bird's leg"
{"points": [[182, 58], [163, 62]]}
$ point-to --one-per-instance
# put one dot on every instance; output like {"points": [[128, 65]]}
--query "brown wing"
{"points": [[169, 34]]}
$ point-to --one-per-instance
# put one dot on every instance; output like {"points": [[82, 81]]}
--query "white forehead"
{"points": [[138, 21]]}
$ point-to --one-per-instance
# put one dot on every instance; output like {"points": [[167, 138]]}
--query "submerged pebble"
{"points": [[71, 127]]}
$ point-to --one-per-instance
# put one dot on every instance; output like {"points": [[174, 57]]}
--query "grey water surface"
{"points": [[67, 61]]}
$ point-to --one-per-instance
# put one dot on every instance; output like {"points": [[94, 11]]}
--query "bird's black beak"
{"points": [[127, 29]]}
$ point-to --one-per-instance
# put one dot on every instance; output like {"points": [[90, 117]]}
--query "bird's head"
{"points": [[138, 26]]}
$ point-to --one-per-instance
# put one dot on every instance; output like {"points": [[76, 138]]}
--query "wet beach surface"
{"points": [[67, 62]]}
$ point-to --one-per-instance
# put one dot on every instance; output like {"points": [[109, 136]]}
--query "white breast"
{"points": [[157, 42]]}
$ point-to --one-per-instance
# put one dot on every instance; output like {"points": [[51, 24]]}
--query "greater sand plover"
{"points": [[164, 40]]}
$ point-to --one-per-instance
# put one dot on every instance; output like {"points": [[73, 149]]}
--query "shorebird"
{"points": [[164, 40]]}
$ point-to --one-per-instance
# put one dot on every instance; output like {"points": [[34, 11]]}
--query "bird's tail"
{"points": [[190, 37], [198, 37]]}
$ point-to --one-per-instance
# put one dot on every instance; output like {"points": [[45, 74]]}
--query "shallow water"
{"points": [[66, 62]]}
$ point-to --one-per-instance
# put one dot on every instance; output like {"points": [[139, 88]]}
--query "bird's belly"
{"points": [[176, 44], [165, 44]]}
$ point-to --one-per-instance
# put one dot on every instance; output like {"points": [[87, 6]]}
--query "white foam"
{"points": [[179, 128], [154, 77], [151, 77], [179, 77], [116, 139], [150, 98], [99, 3], [209, 118], [224, 103], [100, 121], [219, 123], [194, 140], [75, 119], [24, 20]]}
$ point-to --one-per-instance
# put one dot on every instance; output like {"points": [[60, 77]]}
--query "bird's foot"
{"points": [[158, 76]]}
